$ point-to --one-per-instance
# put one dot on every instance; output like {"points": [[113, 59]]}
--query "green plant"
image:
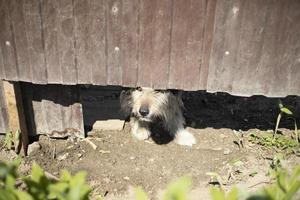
{"points": [[11, 140], [39, 186], [175, 191], [285, 111], [279, 142]]}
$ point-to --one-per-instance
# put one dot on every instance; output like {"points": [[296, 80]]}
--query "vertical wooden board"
{"points": [[7, 43], [271, 76], [33, 21], [154, 40], [207, 43], [77, 117], [291, 58], [2, 72], [3, 111], [114, 48], [225, 45], [58, 26], [186, 46], [129, 42], [21, 39], [246, 79], [90, 41], [52, 108], [50, 16]]}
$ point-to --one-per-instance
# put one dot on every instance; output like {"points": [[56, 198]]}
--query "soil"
{"points": [[121, 163]]}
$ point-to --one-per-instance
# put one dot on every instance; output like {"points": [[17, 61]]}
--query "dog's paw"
{"points": [[142, 134], [183, 137]]}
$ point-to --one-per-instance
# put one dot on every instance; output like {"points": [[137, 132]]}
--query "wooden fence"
{"points": [[243, 47]]}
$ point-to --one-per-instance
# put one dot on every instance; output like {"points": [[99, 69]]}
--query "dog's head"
{"points": [[145, 103]]}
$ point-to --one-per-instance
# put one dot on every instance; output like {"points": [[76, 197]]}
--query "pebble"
{"points": [[62, 157], [226, 151], [126, 178], [35, 146]]}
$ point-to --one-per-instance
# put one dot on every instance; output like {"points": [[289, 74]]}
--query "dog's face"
{"points": [[145, 103]]}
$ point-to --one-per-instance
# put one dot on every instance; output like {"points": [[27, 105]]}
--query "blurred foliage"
{"points": [[39, 187]]}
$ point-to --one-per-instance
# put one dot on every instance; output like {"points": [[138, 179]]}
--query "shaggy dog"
{"points": [[148, 107]]}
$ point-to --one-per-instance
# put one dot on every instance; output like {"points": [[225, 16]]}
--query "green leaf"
{"points": [[217, 194], [140, 194], [178, 189], [286, 111], [36, 173]]}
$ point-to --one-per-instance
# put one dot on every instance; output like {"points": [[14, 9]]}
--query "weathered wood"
{"points": [[21, 39], [15, 111], [90, 41], [7, 44], [114, 36], [58, 26], [291, 60], [33, 22], [207, 43], [187, 41], [56, 110], [225, 48], [4, 128], [129, 42], [154, 48]]}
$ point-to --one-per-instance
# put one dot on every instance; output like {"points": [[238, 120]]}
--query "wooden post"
{"points": [[15, 111]]}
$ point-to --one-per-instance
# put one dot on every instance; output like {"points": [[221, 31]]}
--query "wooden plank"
{"points": [[2, 71], [4, 128], [186, 45], [90, 41], [58, 26], [129, 42], [15, 111], [114, 48], [33, 25], [7, 43], [208, 39], [253, 31], [21, 39], [225, 45], [154, 48], [56, 110], [291, 60]]}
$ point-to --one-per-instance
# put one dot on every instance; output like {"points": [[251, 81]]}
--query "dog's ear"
{"points": [[126, 102]]}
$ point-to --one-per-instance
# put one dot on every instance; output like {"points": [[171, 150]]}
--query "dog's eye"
{"points": [[139, 89]]}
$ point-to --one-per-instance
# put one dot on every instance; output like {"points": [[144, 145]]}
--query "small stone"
{"points": [[226, 151], [151, 160], [79, 155], [62, 157], [126, 178], [35, 146], [109, 125], [132, 158]]}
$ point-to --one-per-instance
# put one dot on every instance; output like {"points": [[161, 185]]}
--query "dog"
{"points": [[147, 107]]}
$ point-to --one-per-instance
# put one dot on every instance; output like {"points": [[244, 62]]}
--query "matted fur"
{"points": [[163, 106]]}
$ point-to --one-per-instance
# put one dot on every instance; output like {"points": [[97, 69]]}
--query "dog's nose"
{"points": [[144, 111]]}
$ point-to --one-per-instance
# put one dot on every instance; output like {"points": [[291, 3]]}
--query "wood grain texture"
{"points": [[4, 128], [114, 37], [187, 41], [54, 108], [207, 43], [129, 42], [59, 36], [90, 41], [7, 43], [33, 22], [225, 45], [24, 59], [154, 43]]}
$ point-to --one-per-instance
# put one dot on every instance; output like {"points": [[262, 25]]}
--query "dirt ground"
{"points": [[121, 163]]}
